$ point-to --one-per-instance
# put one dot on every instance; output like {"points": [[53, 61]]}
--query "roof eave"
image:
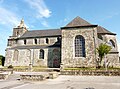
{"points": [[38, 37], [108, 33], [79, 26]]}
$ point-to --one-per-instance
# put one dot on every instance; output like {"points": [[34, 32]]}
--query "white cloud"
{"points": [[8, 18], [40, 7], [44, 23]]}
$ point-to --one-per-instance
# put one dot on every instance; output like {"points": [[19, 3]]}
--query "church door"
{"points": [[54, 59]]}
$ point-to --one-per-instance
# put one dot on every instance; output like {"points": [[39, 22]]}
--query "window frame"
{"points": [[41, 54], [112, 43], [79, 46]]}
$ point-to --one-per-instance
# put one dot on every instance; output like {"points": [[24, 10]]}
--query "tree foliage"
{"points": [[102, 50], [2, 59]]}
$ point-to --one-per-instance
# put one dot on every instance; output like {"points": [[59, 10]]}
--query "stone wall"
{"points": [[91, 72], [40, 41], [31, 56], [107, 38], [112, 59], [68, 54]]}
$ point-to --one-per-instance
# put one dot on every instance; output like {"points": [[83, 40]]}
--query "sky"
{"points": [[48, 14]]}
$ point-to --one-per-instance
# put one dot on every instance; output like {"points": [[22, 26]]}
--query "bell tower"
{"points": [[20, 29]]}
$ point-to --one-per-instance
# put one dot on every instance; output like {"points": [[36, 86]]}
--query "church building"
{"points": [[73, 45]]}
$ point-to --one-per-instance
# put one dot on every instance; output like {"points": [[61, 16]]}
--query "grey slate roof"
{"points": [[101, 30], [41, 33], [78, 22]]}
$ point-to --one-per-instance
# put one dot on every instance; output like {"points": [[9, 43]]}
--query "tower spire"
{"points": [[21, 23]]}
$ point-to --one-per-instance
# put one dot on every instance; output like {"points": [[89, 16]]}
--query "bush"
{"points": [[10, 66]]}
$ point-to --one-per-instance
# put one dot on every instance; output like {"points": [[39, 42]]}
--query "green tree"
{"points": [[2, 59], [102, 50]]}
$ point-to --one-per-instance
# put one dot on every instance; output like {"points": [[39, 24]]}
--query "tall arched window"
{"points": [[111, 42], [41, 55], [16, 53], [79, 46]]}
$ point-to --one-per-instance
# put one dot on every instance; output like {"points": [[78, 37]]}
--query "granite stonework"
{"points": [[58, 46], [31, 56], [68, 52]]}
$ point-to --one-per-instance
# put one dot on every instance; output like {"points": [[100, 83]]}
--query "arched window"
{"points": [[25, 41], [35, 41], [41, 55], [111, 42], [16, 53], [79, 46]]}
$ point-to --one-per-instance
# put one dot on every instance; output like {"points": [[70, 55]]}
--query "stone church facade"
{"points": [[72, 46]]}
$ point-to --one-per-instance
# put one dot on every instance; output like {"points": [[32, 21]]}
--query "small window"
{"points": [[111, 42], [41, 55], [100, 37], [47, 41], [25, 41], [35, 41]]}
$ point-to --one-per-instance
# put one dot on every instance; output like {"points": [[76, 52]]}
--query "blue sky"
{"points": [[46, 14]]}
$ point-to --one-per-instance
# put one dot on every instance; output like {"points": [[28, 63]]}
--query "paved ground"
{"points": [[63, 82]]}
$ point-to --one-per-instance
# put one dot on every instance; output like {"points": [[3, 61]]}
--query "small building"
{"points": [[72, 46]]}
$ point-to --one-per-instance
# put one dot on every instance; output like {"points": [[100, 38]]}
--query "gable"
{"points": [[78, 22]]}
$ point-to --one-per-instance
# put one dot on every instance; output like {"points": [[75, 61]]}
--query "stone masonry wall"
{"points": [[68, 54], [31, 56]]}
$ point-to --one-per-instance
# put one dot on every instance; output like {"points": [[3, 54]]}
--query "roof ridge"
{"points": [[46, 30]]}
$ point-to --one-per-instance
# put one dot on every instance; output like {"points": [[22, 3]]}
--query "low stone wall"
{"points": [[6, 70], [36, 70], [90, 73], [4, 75], [34, 76], [38, 76], [53, 75]]}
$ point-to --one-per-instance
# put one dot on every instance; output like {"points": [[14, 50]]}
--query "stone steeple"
{"points": [[21, 24], [20, 29]]}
